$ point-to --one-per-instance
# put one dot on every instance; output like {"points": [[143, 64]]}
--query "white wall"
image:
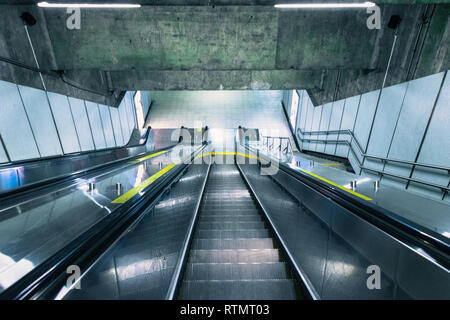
{"points": [[36, 124], [410, 122], [220, 109]]}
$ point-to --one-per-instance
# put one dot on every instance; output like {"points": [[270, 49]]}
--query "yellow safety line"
{"points": [[148, 157], [336, 185], [225, 153], [131, 193], [330, 164]]}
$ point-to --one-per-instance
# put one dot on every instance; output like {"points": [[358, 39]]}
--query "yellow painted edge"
{"points": [[148, 157], [131, 193], [330, 164], [225, 153], [336, 185]]}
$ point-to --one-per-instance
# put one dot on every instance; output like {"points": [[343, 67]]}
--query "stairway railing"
{"points": [[270, 143], [359, 153]]}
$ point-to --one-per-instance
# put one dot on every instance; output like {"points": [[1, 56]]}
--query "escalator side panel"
{"points": [[334, 247], [141, 264]]}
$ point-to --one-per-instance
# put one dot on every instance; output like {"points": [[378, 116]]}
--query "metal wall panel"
{"points": [[126, 132], [348, 122], [146, 100], [107, 126], [309, 121], [334, 247], [64, 122], [38, 109], [82, 124], [315, 125], [3, 157], [389, 107], [324, 123], [335, 123], [363, 123], [96, 125], [131, 112], [14, 127], [304, 102], [416, 110], [436, 146], [117, 127]]}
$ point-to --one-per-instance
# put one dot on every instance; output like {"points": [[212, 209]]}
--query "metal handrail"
{"points": [[445, 189], [288, 149]]}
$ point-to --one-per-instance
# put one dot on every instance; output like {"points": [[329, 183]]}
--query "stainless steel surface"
{"points": [[417, 208], [335, 247], [233, 255], [21, 174], [142, 263], [35, 227]]}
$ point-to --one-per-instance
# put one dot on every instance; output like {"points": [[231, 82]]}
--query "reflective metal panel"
{"points": [[348, 121], [39, 113], [384, 123], [141, 265], [117, 127], [107, 126], [126, 130], [334, 248], [82, 124], [436, 146], [35, 227], [96, 124], [14, 127], [335, 123], [64, 122]]}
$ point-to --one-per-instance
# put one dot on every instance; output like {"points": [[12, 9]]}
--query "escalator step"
{"points": [[230, 218], [229, 234], [239, 290], [207, 244], [231, 211], [230, 225], [237, 271], [234, 256]]}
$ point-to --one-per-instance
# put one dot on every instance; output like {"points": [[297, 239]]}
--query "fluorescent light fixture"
{"points": [[87, 5], [324, 5]]}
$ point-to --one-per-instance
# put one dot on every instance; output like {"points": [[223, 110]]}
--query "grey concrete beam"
{"points": [[215, 80]]}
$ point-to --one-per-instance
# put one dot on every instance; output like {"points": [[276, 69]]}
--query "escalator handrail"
{"points": [[435, 244], [48, 276], [41, 184], [181, 264]]}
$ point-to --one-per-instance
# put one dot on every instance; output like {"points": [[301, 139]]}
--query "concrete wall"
{"points": [[408, 121], [36, 124]]}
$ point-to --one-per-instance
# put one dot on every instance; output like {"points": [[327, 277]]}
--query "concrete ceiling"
{"points": [[187, 45]]}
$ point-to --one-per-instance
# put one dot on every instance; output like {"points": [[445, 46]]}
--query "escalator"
{"points": [[233, 254]]}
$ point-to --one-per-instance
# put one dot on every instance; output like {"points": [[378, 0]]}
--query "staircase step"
{"points": [[229, 234], [237, 271], [234, 256], [283, 289], [208, 244], [230, 218], [230, 225]]}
